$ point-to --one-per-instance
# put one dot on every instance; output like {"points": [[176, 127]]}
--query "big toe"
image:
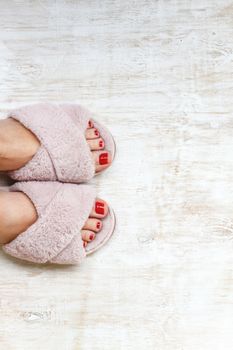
{"points": [[99, 209], [102, 159]]}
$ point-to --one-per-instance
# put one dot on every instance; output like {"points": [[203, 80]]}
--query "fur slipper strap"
{"points": [[64, 153], [62, 211]]}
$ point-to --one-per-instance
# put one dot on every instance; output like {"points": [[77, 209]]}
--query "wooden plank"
{"points": [[159, 75]]}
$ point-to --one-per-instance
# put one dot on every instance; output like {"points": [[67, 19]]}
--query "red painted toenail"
{"points": [[103, 158], [91, 237], [96, 132], [101, 143], [98, 225], [90, 124], [99, 209]]}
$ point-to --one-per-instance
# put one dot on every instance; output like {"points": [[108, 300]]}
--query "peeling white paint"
{"points": [[159, 74]]}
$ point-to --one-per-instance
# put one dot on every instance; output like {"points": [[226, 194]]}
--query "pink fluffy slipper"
{"points": [[62, 211], [64, 154]]}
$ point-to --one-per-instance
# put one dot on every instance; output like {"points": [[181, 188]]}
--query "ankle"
{"points": [[17, 214], [17, 145], [4, 143]]}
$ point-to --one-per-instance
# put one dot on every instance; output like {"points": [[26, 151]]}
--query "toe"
{"points": [[100, 209], [96, 144], [93, 225], [87, 235], [102, 160], [92, 133], [90, 124]]}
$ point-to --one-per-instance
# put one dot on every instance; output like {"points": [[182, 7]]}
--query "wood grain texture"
{"points": [[159, 75]]}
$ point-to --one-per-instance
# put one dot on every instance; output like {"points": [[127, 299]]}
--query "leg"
{"points": [[17, 145], [17, 213]]}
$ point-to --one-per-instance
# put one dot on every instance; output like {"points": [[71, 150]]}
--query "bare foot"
{"points": [[18, 145], [17, 214], [96, 143], [94, 224]]}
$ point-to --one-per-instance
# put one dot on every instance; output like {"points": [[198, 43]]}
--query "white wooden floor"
{"points": [[159, 74]]}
